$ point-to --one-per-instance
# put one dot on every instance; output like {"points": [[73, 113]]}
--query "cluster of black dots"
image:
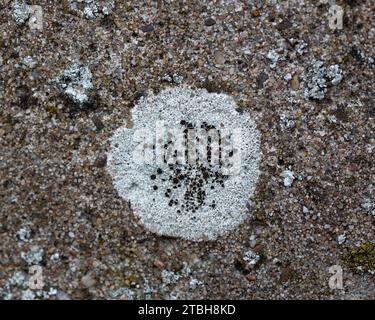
{"points": [[193, 177]]}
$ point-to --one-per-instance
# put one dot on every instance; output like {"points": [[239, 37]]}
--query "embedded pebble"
{"points": [[209, 22]]}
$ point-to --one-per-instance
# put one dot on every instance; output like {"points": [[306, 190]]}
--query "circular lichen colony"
{"points": [[188, 165]]}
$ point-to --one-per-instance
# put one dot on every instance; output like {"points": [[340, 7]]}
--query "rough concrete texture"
{"points": [[67, 87]]}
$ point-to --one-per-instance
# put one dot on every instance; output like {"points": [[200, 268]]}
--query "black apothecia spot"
{"points": [[194, 178]]}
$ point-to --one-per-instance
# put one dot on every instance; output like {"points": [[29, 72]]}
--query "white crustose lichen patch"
{"points": [[369, 207], [24, 233], [319, 78], [192, 199], [288, 176], [76, 82], [91, 9], [34, 256], [20, 11], [251, 258]]}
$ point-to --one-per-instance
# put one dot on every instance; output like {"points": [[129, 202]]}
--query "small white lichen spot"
{"points": [[34, 256], [20, 12], [189, 163], [369, 206], [28, 295], [92, 9], [169, 277], [251, 258], [274, 57], [319, 78], [18, 279], [341, 238], [76, 82], [288, 176], [24, 233], [301, 48]]}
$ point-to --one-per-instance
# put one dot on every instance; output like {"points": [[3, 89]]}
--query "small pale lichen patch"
{"points": [[24, 233], [20, 12], [319, 78], [91, 9], [369, 207], [76, 82], [34, 256], [251, 258], [288, 176]]}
